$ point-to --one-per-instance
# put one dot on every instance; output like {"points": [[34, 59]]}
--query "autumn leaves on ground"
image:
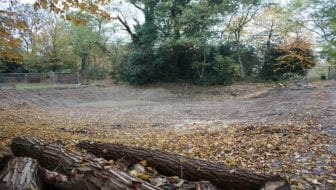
{"points": [[288, 130]]}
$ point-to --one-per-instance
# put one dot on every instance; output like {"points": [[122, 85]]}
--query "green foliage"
{"points": [[173, 61], [146, 33], [35, 63], [83, 40], [329, 51], [215, 66], [181, 60], [250, 59], [119, 57], [324, 18], [206, 42], [140, 67], [189, 60], [11, 66], [221, 71], [49, 49], [270, 60], [173, 44]]}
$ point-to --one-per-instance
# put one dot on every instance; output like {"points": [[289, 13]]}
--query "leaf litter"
{"points": [[301, 153]]}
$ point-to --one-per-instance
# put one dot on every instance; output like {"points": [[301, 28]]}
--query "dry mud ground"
{"points": [[288, 130]]}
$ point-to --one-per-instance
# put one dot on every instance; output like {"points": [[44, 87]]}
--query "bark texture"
{"points": [[218, 174], [86, 172], [20, 173]]}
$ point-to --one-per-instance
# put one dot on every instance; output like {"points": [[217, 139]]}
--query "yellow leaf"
{"points": [[145, 177], [144, 162]]}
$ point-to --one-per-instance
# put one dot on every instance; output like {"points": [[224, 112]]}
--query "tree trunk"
{"points": [[20, 173], [218, 174], [242, 70], [85, 62], [91, 172], [237, 41], [270, 34]]}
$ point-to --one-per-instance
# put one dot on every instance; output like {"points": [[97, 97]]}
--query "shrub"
{"points": [[140, 67], [221, 71], [288, 60]]}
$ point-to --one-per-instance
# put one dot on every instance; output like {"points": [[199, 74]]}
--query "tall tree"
{"points": [[87, 39], [53, 51], [320, 16], [325, 19], [271, 27], [243, 13], [34, 20]]}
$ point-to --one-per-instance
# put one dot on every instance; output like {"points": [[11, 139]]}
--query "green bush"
{"points": [[173, 61], [119, 58], [270, 60], [181, 60], [140, 67], [249, 57], [221, 71], [11, 66]]}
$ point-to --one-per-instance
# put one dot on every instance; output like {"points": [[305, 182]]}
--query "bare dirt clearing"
{"points": [[267, 128], [124, 105]]}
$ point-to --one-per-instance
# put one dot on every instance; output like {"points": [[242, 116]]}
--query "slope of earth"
{"points": [[268, 128]]}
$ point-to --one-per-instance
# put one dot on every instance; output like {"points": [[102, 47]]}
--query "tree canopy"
{"points": [[204, 41]]}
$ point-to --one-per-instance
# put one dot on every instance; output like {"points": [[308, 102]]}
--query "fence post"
{"points": [[25, 75], [78, 80], [54, 79]]}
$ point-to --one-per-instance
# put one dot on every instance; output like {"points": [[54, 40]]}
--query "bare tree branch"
{"points": [[138, 7], [127, 27]]}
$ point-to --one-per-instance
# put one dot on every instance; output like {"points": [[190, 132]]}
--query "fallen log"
{"points": [[23, 173], [93, 173], [20, 173], [218, 174]]}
